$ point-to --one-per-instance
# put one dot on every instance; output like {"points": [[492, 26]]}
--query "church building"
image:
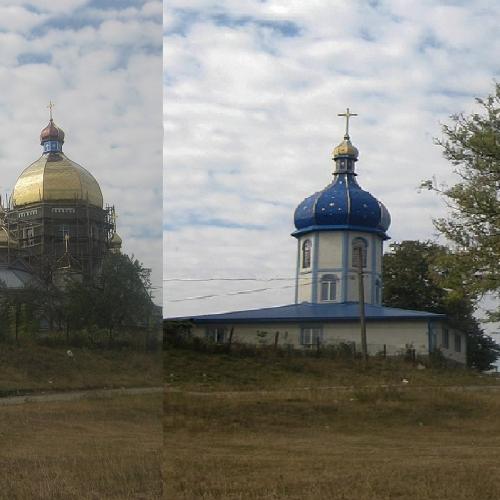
{"points": [[55, 224], [340, 232]]}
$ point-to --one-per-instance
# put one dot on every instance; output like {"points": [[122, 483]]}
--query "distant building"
{"points": [[338, 229], [55, 221]]}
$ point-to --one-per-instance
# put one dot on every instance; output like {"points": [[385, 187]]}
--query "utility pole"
{"points": [[361, 291]]}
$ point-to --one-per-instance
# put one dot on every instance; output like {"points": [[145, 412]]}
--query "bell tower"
{"points": [[333, 228]]}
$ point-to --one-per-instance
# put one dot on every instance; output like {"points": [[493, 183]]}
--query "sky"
{"points": [[252, 90], [100, 62]]}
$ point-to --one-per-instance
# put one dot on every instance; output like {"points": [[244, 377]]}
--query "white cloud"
{"points": [[252, 91], [105, 77], [54, 7], [14, 18]]}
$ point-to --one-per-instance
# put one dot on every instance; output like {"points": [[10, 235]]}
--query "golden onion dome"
{"points": [[345, 148], [54, 177]]}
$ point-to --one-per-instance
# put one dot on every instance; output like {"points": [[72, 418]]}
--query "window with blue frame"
{"points": [[306, 254], [328, 288], [359, 250], [310, 337], [216, 334]]}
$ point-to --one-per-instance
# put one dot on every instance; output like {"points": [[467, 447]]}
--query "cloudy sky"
{"points": [[252, 91], [100, 62]]}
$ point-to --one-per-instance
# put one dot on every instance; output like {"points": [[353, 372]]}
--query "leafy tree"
{"points": [[120, 296], [421, 275], [472, 144], [124, 293], [408, 277]]}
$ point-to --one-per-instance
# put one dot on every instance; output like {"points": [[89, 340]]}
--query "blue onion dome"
{"points": [[343, 204], [385, 217]]}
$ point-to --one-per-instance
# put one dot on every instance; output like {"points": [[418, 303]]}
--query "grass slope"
{"points": [[35, 368], [224, 441], [188, 369]]}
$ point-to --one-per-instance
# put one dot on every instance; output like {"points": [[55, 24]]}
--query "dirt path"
{"points": [[76, 395], [108, 393], [340, 388]]}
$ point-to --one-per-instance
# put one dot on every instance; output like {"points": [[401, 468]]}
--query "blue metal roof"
{"points": [[342, 205], [307, 312]]}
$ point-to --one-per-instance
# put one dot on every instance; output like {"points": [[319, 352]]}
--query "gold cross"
{"points": [[347, 115], [50, 106]]}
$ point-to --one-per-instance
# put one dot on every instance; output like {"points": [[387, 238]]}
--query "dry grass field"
{"points": [[416, 441], [94, 449]]}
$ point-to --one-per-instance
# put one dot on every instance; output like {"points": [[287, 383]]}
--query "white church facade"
{"points": [[340, 232]]}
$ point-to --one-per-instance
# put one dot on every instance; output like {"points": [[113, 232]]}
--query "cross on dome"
{"points": [[347, 115], [50, 106]]}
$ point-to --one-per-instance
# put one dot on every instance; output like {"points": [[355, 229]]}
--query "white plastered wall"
{"points": [[289, 333], [450, 352], [330, 250], [396, 335]]}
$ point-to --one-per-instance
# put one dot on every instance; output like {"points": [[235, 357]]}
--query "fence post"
{"points": [[230, 340], [276, 337], [385, 351]]}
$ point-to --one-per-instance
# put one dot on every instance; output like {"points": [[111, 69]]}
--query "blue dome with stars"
{"points": [[342, 205]]}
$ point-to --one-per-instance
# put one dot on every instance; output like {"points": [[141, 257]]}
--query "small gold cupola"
{"points": [[345, 154], [345, 148]]}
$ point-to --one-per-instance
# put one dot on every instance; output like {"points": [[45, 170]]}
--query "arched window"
{"points": [[306, 253], [359, 247], [328, 287]]}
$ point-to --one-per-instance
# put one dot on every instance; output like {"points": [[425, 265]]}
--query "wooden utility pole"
{"points": [[361, 291]]}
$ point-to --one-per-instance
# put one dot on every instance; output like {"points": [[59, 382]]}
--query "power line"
{"points": [[226, 279], [240, 292]]}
